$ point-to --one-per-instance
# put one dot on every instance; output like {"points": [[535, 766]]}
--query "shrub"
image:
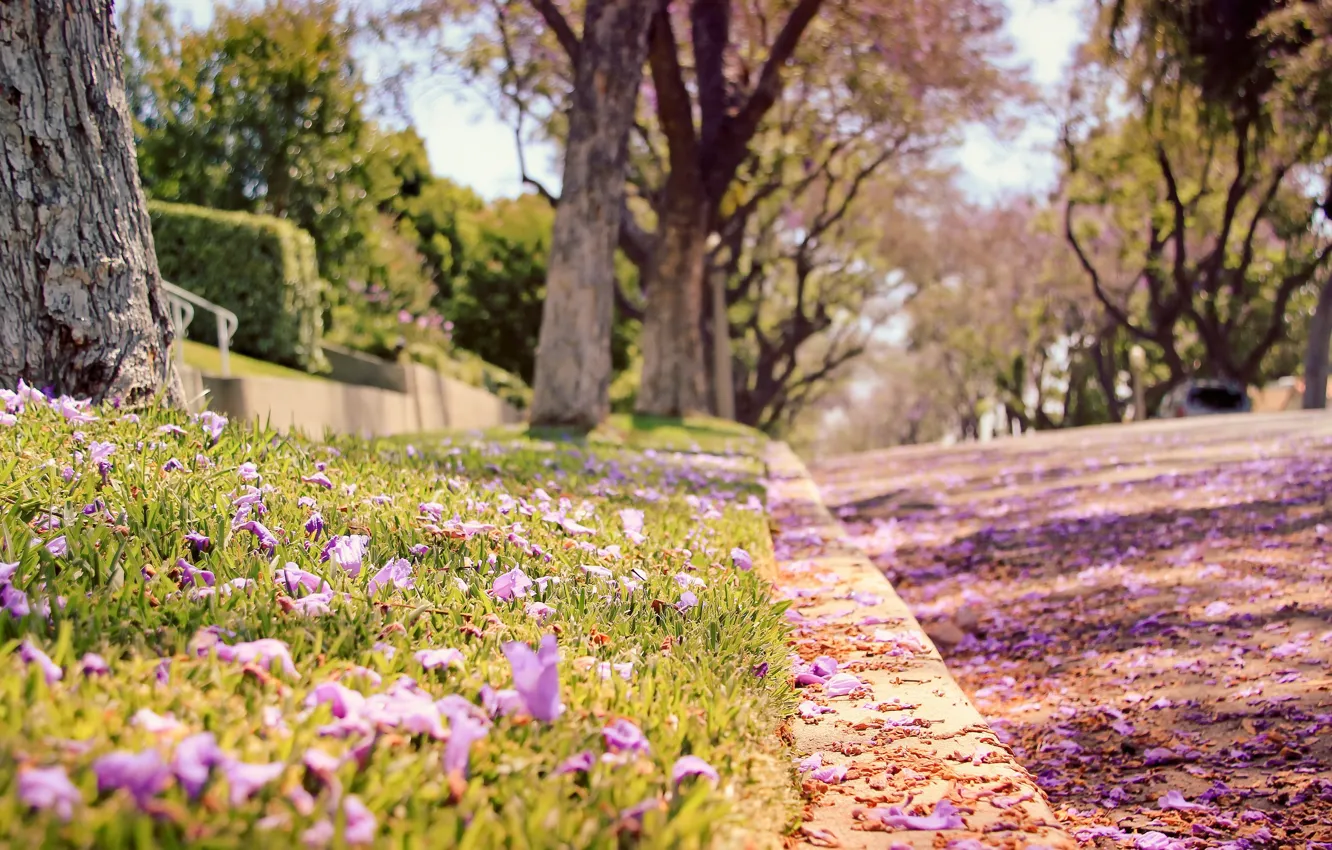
{"points": [[261, 268]]}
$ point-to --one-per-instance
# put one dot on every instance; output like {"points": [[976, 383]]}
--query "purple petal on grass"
{"points": [[143, 774], [49, 788], [194, 758], [742, 559], [944, 816], [92, 664], [686, 766], [15, 601], [32, 655], [577, 763], [540, 611], [432, 658], [465, 729], [195, 576], [511, 585], [632, 519], [264, 651], [212, 423], [361, 824], [245, 780], [760, 670], [501, 703], [635, 813], [344, 700], [318, 479], [150, 721], [293, 576], [198, 542], [347, 551], [688, 600], [261, 533], [397, 572], [58, 546], [314, 605], [623, 736], [536, 676]]}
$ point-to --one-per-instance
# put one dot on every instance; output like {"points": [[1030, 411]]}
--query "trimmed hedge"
{"points": [[261, 268]]}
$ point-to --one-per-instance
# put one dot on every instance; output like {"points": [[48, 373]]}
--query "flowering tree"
{"points": [[740, 95]]}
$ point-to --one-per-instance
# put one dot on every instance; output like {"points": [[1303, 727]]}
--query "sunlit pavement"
{"points": [[1144, 613]]}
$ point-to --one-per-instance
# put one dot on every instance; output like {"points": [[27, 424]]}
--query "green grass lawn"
{"points": [[264, 689], [208, 359]]}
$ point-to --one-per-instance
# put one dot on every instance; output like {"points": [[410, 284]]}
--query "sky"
{"points": [[468, 144]]}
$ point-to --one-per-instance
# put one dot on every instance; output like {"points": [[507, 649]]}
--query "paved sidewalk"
{"points": [[1143, 613], [896, 756]]}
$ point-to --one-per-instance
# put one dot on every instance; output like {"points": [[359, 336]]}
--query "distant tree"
{"points": [[498, 298], [81, 306], [263, 111], [720, 73], [1205, 195]]}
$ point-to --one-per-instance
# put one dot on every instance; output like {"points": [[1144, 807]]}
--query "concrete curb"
{"points": [[910, 738]]}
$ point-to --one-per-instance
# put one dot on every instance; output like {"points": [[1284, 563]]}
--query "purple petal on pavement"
{"points": [[944, 816]]}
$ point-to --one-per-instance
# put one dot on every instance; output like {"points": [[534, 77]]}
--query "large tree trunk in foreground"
{"points": [[1316, 355], [573, 365], [81, 308], [674, 382]]}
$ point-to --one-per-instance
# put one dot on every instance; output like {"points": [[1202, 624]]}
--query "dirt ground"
{"points": [[1143, 613]]}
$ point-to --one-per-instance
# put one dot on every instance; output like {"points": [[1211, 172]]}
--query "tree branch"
{"points": [[710, 22], [1182, 283], [1119, 315], [735, 133], [560, 26], [674, 104]]}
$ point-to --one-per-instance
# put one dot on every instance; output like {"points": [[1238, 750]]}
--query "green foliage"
{"points": [[120, 591], [261, 112], [259, 267], [497, 303], [433, 211]]}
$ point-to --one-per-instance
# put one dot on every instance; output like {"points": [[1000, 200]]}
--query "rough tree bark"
{"points": [[81, 308], [573, 366], [1316, 355], [674, 381]]}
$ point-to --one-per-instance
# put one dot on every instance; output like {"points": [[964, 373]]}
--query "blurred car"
{"points": [[1200, 397]]}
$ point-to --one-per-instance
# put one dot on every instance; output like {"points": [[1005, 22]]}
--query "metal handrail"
{"points": [[182, 303]]}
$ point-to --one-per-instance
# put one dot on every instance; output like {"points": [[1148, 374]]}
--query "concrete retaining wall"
{"points": [[431, 402], [353, 367]]}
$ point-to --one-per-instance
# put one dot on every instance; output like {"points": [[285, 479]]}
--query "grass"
{"points": [[208, 359], [691, 435], [122, 590]]}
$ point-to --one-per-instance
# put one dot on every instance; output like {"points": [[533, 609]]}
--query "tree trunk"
{"points": [[674, 382], [1316, 355], [573, 365], [81, 306]]}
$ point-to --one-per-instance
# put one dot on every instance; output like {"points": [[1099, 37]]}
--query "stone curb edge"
{"points": [[910, 738]]}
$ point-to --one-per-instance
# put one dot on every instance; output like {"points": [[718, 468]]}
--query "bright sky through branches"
{"points": [[468, 144]]}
